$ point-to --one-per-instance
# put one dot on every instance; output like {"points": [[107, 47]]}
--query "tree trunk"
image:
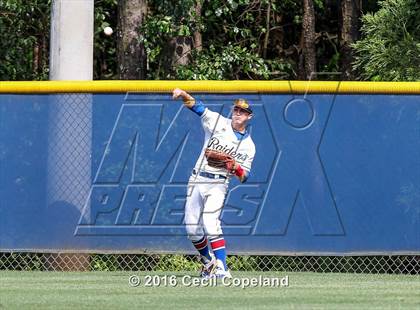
{"points": [[349, 33], [307, 59], [267, 30], [131, 53], [198, 40], [180, 48], [44, 52], [36, 58]]}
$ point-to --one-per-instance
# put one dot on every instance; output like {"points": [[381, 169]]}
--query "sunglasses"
{"points": [[240, 111]]}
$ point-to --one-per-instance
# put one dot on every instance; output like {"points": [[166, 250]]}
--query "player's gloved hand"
{"points": [[217, 159]]}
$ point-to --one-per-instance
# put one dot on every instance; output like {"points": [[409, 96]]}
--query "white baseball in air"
{"points": [[108, 31]]}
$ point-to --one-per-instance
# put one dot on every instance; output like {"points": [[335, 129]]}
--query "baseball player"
{"points": [[228, 151]]}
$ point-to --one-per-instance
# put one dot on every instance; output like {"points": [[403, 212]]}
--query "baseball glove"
{"points": [[217, 159]]}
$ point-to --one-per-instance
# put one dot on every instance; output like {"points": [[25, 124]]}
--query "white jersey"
{"points": [[219, 136]]}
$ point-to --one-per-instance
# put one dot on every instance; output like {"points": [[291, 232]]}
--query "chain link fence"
{"points": [[69, 178], [399, 264]]}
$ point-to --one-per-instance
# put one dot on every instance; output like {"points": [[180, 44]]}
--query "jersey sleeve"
{"points": [[198, 108]]}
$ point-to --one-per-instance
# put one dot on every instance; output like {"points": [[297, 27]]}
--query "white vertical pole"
{"points": [[71, 48], [70, 115]]}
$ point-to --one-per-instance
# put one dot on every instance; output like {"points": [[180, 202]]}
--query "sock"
{"points": [[218, 246], [202, 247]]}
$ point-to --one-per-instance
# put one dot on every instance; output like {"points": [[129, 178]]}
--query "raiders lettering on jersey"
{"points": [[220, 136]]}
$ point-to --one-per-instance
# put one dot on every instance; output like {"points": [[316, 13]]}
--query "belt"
{"points": [[208, 175]]}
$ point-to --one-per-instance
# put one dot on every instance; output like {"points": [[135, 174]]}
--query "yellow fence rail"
{"points": [[114, 86]]}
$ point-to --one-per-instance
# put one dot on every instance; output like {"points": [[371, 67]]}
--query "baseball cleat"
{"points": [[220, 271], [208, 266]]}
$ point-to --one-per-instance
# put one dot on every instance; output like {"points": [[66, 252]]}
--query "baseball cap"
{"points": [[243, 104]]}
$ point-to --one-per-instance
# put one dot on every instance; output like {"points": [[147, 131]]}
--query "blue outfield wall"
{"points": [[108, 172]]}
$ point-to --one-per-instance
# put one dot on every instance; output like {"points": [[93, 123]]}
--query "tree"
{"points": [[235, 39], [307, 61], [188, 38], [390, 47], [349, 32], [131, 52], [198, 38], [24, 39]]}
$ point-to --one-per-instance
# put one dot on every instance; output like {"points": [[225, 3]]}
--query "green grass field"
{"points": [[110, 290]]}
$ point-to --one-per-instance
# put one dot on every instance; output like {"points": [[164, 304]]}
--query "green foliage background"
{"points": [[390, 48], [234, 35], [23, 24]]}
